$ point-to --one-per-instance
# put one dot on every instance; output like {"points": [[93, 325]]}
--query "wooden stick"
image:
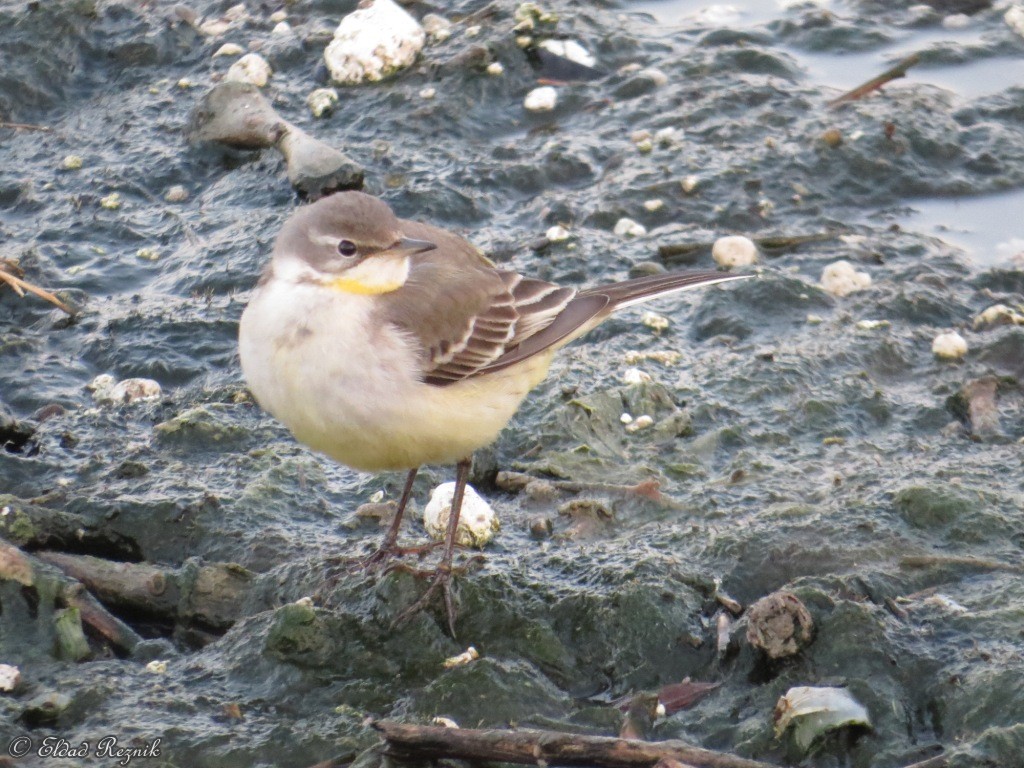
{"points": [[893, 73], [20, 286], [24, 126], [546, 748]]}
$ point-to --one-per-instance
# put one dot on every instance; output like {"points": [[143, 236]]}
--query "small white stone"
{"points": [[157, 667], [444, 722], [841, 279], [236, 13], [10, 676], [372, 42], [639, 135], [625, 227], [278, 16], [377, 497], [184, 83], [148, 254], [473, 31], [635, 376], [282, 28], [569, 49], [106, 392], [541, 99], [305, 602], [815, 319], [765, 207], [111, 202], [1015, 18], [466, 657], [872, 325], [734, 251], [495, 68], [950, 346], [71, 162], [654, 320], [251, 68], [956, 21], [438, 28], [640, 422], [176, 194], [666, 137], [654, 204], [626, 418], [477, 521], [689, 184], [656, 76], [321, 101], [998, 314], [557, 234], [428, 93]]}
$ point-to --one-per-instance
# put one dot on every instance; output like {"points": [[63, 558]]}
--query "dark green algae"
{"points": [[812, 456]]}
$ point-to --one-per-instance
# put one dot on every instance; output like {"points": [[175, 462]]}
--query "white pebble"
{"points": [[872, 325], [278, 16], [640, 422], [557, 234], [229, 49], [635, 376], [176, 194], [322, 101], [689, 184], [654, 320], [428, 93], [281, 28], [656, 76], [666, 137], [438, 28], [466, 657], [841, 279], [251, 68], [654, 204], [71, 162], [626, 418], [734, 251], [569, 49], [950, 346], [495, 68], [473, 31], [628, 228], [107, 392], [372, 42], [157, 667], [956, 21], [10, 676], [444, 722], [998, 314], [477, 521], [1015, 18], [541, 99]]}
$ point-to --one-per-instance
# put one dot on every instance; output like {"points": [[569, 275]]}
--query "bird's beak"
{"points": [[407, 246]]}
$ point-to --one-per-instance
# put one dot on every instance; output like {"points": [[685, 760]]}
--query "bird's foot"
{"points": [[383, 557], [440, 579]]}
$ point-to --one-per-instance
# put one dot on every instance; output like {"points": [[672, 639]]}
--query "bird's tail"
{"points": [[630, 292]]}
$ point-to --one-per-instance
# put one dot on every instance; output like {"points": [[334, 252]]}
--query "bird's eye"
{"points": [[347, 248]]}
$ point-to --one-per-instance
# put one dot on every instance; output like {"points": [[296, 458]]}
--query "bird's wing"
{"points": [[464, 313]]}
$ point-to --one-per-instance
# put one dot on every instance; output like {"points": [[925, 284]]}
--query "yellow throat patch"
{"points": [[373, 276]]}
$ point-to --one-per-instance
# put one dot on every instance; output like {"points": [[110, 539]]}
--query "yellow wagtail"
{"points": [[388, 344]]}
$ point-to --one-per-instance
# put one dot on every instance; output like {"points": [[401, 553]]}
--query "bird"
{"points": [[388, 344]]}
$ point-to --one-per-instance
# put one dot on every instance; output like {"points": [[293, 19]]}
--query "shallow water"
{"points": [[802, 440]]}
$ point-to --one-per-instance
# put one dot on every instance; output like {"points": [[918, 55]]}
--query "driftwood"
{"points": [[19, 566], [893, 73], [205, 595], [547, 748], [32, 526]]}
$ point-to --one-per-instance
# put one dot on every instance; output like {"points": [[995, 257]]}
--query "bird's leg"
{"points": [[442, 575], [389, 548]]}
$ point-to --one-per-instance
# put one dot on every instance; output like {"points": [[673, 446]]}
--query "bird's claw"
{"points": [[441, 579]]}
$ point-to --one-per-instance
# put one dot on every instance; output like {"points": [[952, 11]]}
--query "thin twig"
{"points": [[19, 286], [25, 126], [893, 73]]}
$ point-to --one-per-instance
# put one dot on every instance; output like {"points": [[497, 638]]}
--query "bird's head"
{"points": [[350, 241]]}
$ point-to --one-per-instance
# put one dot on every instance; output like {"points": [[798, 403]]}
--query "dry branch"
{"points": [[19, 286], [547, 747], [893, 73]]}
